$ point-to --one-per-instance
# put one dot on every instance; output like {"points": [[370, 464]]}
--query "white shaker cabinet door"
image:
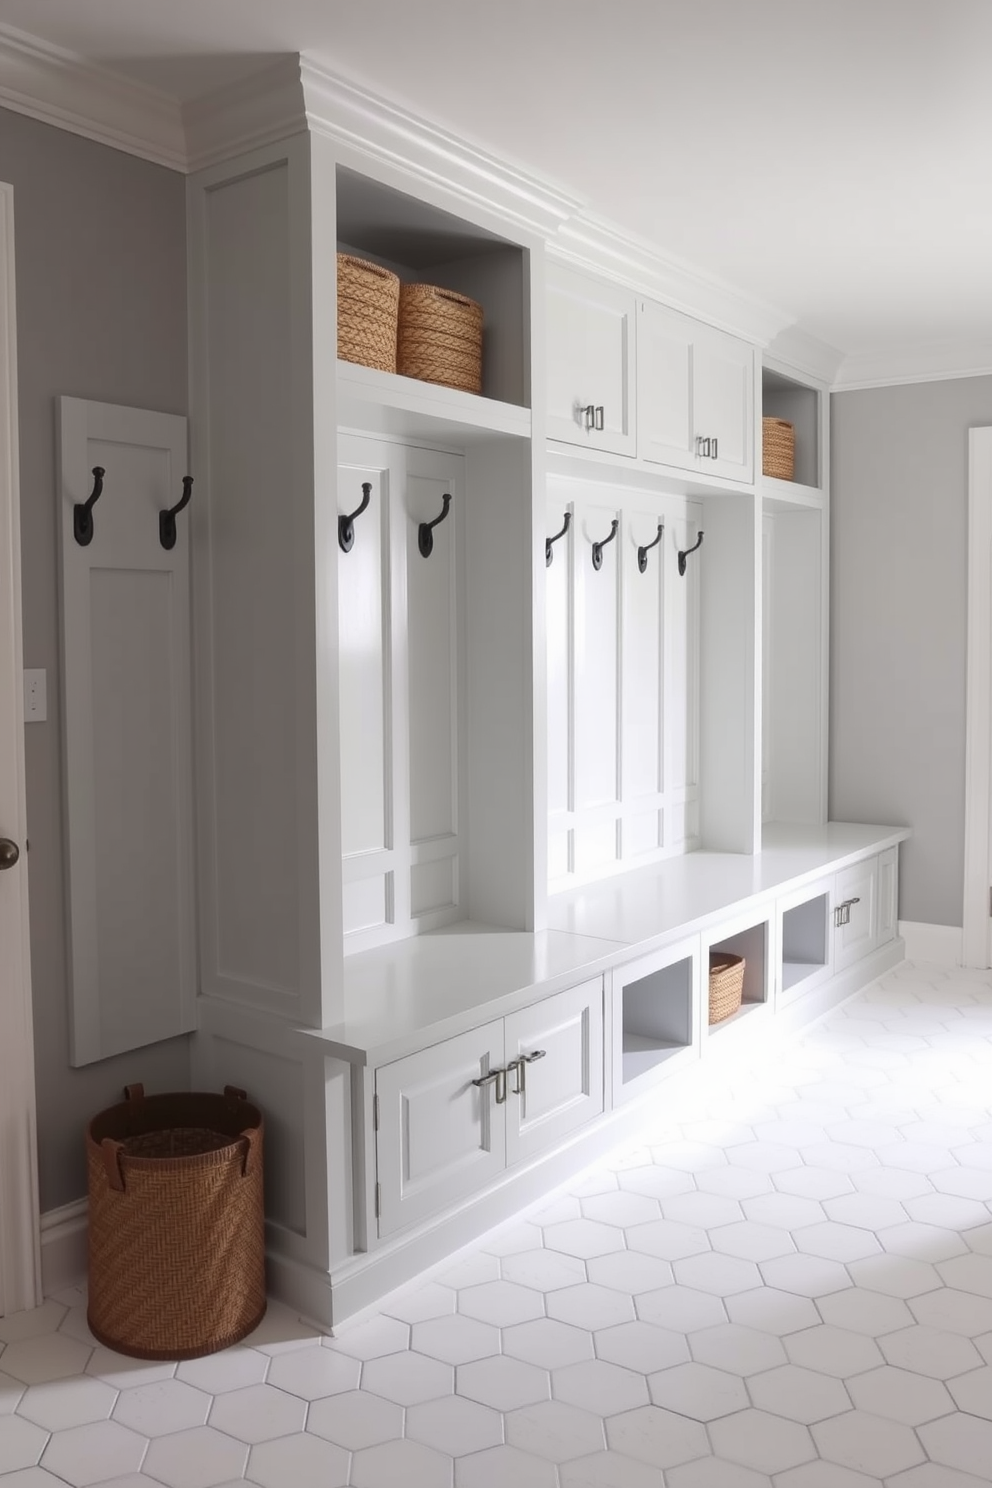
{"points": [[590, 362], [857, 889], [441, 1137], [665, 344], [723, 404], [554, 1057]]}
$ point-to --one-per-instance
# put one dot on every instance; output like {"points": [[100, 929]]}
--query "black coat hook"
{"points": [[346, 525], [549, 543], [683, 556], [167, 519], [597, 547], [425, 535], [82, 511], [642, 553]]}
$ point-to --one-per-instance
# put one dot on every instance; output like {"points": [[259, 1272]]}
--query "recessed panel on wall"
{"points": [[682, 656], [127, 731], [363, 669], [558, 612], [432, 652], [595, 658], [366, 902], [642, 718]]}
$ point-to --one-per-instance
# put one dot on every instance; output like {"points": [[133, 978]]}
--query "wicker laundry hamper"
{"points": [[176, 1230], [440, 337], [778, 449], [368, 308], [726, 985]]}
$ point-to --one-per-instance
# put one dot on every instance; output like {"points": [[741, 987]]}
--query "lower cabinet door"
{"points": [[441, 1137], [888, 895], [857, 889], [554, 1058]]}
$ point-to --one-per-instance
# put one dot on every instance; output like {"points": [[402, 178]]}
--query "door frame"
{"points": [[978, 706], [20, 1259]]}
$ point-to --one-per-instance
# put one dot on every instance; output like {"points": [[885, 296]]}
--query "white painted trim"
{"points": [[256, 111], [978, 704], [937, 362], [20, 1264], [64, 1256], [58, 87], [798, 352], [938, 944]]}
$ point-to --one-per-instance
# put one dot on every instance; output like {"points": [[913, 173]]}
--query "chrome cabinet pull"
{"points": [[495, 1077], [716, 443], [519, 1068], [589, 413], [842, 914], [600, 411]]}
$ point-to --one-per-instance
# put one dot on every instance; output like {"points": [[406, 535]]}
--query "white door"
{"points": [[442, 1134], [590, 362], [554, 1061], [20, 1269], [665, 341], [723, 404]]}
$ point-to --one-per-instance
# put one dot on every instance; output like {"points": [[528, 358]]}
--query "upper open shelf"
{"points": [[403, 408], [425, 245], [799, 404]]}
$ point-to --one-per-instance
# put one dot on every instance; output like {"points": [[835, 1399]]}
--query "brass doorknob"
{"points": [[9, 853]]}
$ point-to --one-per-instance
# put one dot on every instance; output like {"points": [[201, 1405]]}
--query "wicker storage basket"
{"points": [[440, 337], [176, 1238], [778, 449], [726, 985], [368, 304]]}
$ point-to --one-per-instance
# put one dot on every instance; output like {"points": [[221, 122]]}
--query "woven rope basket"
{"points": [[176, 1228], [440, 337], [726, 985], [778, 449], [368, 304]]}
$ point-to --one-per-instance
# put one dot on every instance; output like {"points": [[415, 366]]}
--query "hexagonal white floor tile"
{"points": [[667, 1239], [806, 1275], [763, 1157], [200, 1458], [868, 1444], [784, 1211], [705, 1211], [969, 1273], [124, 1373], [865, 1312], [834, 1241], [642, 1347], [935, 1475], [900, 1395], [547, 1343], [681, 1308], [511, 1239], [282, 1329], [313, 1373], [813, 1183], [501, 1303], [232, 1369], [65, 1403], [32, 1323], [698, 1391], [21, 1443], [258, 1413], [590, 1306], [835, 1351], [608, 1470], [401, 1462], [772, 1311], [408, 1378], [655, 1182], [733, 1183], [715, 1472], [823, 1475], [422, 1303], [949, 1211], [543, 1270], [300, 1461], [768, 1443], [355, 1419], [743, 1350], [555, 1431], [501, 1466], [605, 1389], [802, 1395], [372, 1340], [93, 1453], [930, 1351], [751, 1241], [630, 1271], [472, 1270], [922, 1242], [455, 1340], [158, 1409], [619, 1208], [455, 1426], [657, 1437], [48, 1356], [953, 1311], [719, 1275], [973, 1392], [11, 1392], [505, 1384]]}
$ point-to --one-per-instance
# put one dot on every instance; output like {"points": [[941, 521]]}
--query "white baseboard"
{"points": [[939, 944], [63, 1247]]}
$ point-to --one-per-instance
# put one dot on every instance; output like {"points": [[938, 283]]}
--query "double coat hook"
{"points": [[684, 555], [597, 547], [82, 511], [167, 519], [425, 533], [642, 553]]}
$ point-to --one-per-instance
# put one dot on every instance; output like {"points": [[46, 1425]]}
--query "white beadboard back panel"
{"points": [[128, 744], [623, 682], [401, 642]]}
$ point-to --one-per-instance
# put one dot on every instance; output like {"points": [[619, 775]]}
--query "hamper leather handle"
{"points": [[134, 1092], [112, 1163]]}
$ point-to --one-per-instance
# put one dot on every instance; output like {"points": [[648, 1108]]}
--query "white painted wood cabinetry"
{"points": [[590, 338]]}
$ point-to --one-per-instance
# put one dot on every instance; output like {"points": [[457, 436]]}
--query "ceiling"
{"points": [[833, 159]]}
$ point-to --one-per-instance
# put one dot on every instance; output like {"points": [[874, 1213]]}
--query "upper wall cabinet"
{"points": [[695, 395], [590, 362]]}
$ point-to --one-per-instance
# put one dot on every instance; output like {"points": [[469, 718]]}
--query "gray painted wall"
{"points": [[899, 526], [101, 310]]}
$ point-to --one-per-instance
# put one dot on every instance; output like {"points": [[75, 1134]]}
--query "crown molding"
{"points": [[800, 352], [928, 362], [57, 87], [257, 110]]}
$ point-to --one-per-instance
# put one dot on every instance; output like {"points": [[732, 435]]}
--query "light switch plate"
{"points": [[35, 696]]}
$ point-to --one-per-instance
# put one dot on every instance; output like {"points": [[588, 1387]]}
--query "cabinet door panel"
{"points": [[563, 1089], [888, 895], [440, 1137], [857, 937], [590, 361], [723, 399], [664, 386]]}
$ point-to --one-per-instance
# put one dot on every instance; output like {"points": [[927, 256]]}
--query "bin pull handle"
{"points": [[134, 1092], [232, 1093], [112, 1164], [250, 1135]]}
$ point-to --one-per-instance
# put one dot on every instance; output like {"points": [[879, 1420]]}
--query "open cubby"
{"points": [[782, 397], [425, 245], [656, 1018], [752, 944], [805, 941]]}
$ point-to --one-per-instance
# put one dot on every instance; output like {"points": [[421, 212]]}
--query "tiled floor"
{"points": [[790, 1289]]}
